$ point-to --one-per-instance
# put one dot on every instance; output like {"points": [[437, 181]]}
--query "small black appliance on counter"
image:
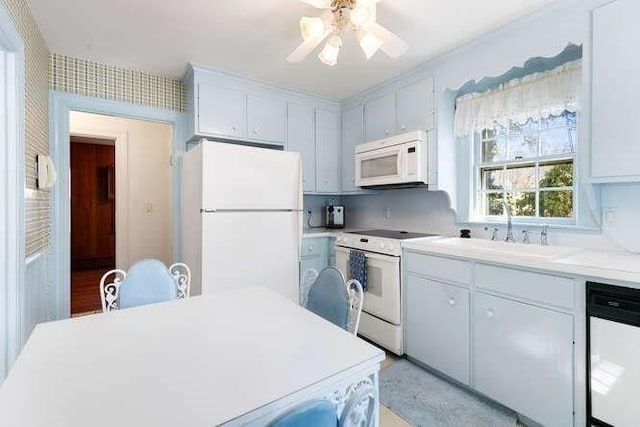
{"points": [[334, 216]]}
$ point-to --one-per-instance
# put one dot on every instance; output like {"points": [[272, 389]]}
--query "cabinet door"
{"points": [[380, 117], [352, 135], [301, 139], [221, 111], [437, 326], [616, 85], [327, 146], [414, 107], [266, 119], [523, 358]]}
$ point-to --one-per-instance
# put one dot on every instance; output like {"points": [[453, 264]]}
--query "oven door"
{"points": [[380, 167], [382, 298]]}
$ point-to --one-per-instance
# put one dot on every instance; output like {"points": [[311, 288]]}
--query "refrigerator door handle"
{"points": [[247, 210]]}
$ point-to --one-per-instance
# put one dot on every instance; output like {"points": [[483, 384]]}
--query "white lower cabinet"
{"points": [[523, 358], [437, 326]]}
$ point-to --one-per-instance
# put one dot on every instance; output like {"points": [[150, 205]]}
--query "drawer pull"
{"points": [[490, 313], [452, 302]]}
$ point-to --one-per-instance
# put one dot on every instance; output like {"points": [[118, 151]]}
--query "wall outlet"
{"points": [[386, 213]]}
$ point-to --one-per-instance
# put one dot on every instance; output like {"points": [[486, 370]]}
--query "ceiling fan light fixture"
{"points": [[369, 43], [329, 54], [311, 27], [363, 14]]}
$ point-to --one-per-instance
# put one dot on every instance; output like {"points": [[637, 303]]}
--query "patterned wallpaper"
{"points": [[89, 78], [37, 202]]}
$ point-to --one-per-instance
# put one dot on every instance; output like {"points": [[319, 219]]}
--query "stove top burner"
{"points": [[392, 234]]}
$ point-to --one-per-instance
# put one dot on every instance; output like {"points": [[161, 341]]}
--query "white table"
{"points": [[238, 357]]}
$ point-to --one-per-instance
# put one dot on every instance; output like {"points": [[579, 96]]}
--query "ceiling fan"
{"points": [[339, 17]]}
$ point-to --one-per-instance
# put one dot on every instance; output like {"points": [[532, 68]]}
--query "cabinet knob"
{"points": [[353, 180], [403, 127], [386, 132], [304, 179], [234, 127], [310, 249], [490, 313], [255, 130], [452, 301]]}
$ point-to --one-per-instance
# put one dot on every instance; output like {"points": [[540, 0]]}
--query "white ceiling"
{"points": [[253, 37]]}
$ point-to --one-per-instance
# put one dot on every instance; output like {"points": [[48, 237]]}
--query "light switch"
{"points": [[609, 216]]}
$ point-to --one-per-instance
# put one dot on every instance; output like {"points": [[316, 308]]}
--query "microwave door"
{"points": [[380, 167]]}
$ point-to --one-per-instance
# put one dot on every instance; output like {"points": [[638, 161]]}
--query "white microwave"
{"points": [[398, 161]]}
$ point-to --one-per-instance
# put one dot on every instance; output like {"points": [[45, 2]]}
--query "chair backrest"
{"points": [[309, 277], [148, 281], [356, 298], [328, 297], [315, 413]]}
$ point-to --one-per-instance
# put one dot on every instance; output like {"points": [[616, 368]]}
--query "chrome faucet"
{"points": [[544, 235], [509, 237]]}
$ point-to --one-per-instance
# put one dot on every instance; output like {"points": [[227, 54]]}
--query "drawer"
{"points": [[317, 246], [543, 288], [447, 269]]}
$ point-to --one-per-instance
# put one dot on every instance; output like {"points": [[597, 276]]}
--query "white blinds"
{"points": [[537, 95]]}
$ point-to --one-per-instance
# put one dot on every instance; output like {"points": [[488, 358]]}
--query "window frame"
{"points": [[476, 212]]}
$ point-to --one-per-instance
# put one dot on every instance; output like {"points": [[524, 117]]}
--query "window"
{"points": [[529, 166], [521, 135]]}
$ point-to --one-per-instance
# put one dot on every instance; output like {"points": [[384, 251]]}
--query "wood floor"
{"points": [[85, 290]]}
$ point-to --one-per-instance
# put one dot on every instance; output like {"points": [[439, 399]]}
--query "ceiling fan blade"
{"points": [[392, 45], [320, 4], [305, 48]]}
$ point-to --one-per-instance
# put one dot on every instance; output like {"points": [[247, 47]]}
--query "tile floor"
{"points": [[388, 418]]}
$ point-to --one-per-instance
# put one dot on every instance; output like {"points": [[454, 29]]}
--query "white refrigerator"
{"points": [[242, 218]]}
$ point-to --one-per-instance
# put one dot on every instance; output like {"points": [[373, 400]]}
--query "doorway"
{"points": [[121, 199], [93, 219]]}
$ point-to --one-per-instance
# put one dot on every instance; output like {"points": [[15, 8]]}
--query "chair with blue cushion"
{"points": [[148, 281], [336, 301], [315, 413]]}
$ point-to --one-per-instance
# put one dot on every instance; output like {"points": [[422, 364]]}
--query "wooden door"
{"points": [[92, 205]]}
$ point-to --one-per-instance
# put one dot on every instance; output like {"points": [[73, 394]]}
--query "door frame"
{"points": [[12, 182], [60, 105]]}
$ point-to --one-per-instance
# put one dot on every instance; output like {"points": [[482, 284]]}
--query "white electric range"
{"points": [[381, 320]]}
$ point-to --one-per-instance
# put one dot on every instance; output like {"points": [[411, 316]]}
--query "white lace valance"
{"points": [[537, 96]]}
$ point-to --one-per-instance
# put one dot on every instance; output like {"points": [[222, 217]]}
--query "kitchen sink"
{"points": [[508, 249]]}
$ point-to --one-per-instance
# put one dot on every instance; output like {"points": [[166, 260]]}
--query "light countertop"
{"points": [[592, 264], [196, 362]]}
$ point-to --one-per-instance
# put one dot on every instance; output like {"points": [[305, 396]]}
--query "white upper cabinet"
{"points": [[407, 109], [615, 155], [266, 119], [414, 107], [380, 117], [301, 139], [352, 135], [327, 149], [220, 111]]}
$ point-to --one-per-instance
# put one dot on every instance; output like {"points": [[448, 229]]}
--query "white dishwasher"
{"points": [[613, 351]]}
